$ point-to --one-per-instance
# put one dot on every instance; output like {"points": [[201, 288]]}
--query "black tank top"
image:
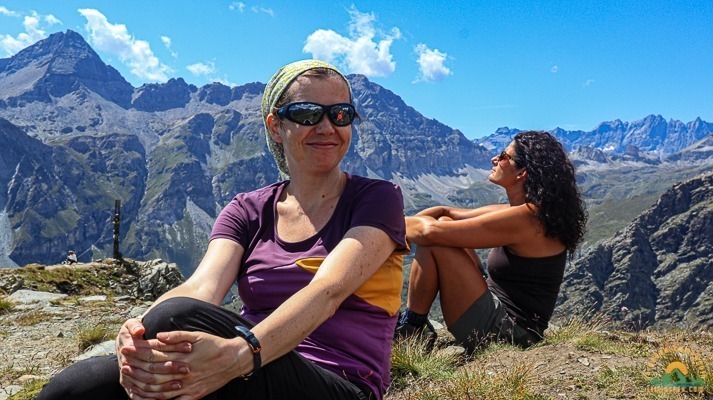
{"points": [[527, 287]]}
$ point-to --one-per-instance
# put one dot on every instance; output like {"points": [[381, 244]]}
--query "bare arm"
{"points": [[355, 259], [210, 282], [460, 213], [506, 226], [214, 276]]}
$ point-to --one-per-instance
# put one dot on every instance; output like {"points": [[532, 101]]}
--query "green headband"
{"points": [[274, 90]]}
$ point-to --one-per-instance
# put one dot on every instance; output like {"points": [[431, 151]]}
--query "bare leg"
{"points": [[454, 272]]}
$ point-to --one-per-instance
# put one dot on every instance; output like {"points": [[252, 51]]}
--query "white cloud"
{"points": [[52, 20], [115, 39], [554, 69], [199, 69], [587, 83], [430, 64], [257, 9], [359, 53], [240, 6], [208, 70], [8, 13], [167, 42], [224, 80], [237, 5], [34, 31]]}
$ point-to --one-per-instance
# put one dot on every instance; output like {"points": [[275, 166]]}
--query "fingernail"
{"points": [[184, 370], [176, 386]]}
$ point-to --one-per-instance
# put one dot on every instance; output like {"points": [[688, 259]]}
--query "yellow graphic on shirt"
{"points": [[382, 290]]}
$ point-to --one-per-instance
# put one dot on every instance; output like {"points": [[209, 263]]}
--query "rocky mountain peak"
{"points": [[175, 93], [609, 126], [394, 138], [63, 47], [251, 90], [700, 127], [358, 80], [215, 93], [56, 66]]}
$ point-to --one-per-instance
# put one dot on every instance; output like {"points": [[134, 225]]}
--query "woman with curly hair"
{"points": [[530, 240]]}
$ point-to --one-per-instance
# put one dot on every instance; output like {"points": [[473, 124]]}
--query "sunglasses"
{"points": [[309, 114], [507, 157], [503, 156]]}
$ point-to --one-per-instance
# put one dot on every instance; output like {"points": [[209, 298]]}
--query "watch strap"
{"points": [[254, 345]]}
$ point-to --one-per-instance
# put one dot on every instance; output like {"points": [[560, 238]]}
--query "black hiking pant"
{"points": [[289, 377]]}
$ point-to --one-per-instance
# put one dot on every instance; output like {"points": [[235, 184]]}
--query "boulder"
{"points": [[11, 283], [25, 296], [156, 278], [101, 349]]}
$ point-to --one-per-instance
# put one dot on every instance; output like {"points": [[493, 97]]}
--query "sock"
{"points": [[410, 317]]}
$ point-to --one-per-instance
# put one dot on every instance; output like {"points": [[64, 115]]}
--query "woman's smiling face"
{"points": [[320, 147]]}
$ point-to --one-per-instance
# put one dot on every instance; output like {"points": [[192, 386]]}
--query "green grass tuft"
{"points": [[6, 306], [90, 335], [504, 384], [32, 317], [577, 327], [410, 360]]}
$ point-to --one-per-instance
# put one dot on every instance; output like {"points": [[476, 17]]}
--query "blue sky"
{"points": [[473, 65]]}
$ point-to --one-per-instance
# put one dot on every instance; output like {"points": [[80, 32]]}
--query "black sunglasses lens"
{"points": [[342, 114], [311, 113], [305, 113]]}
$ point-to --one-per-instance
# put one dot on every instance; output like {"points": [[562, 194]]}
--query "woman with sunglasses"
{"points": [[530, 239], [317, 260]]}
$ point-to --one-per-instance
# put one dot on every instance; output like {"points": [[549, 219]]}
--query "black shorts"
{"points": [[485, 321], [289, 377]]}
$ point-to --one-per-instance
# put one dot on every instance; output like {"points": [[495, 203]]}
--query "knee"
{"points": [[435, 251], [169, 314], [93, 378]]}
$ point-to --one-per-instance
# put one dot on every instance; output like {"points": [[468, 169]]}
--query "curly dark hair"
{"points": [[552, 187]]}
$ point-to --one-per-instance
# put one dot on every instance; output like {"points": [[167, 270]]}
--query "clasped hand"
{"points": [[178, 364]]}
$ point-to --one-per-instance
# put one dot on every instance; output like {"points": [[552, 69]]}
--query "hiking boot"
{"points": [[425, 333]]}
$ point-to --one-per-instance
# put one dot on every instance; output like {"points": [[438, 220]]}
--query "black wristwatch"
{"points": [[254, 344]]}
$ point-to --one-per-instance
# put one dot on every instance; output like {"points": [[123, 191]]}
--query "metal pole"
{"points": [[117, 221]]}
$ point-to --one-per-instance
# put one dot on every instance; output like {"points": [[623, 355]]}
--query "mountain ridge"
{"points": [[658, 268], [652, 134], [187, 151]]}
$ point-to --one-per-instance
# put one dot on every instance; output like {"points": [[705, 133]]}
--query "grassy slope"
{"points": [[583, 359]]}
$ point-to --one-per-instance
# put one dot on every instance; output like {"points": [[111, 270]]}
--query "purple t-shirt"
{"points": [[356, 341]]}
